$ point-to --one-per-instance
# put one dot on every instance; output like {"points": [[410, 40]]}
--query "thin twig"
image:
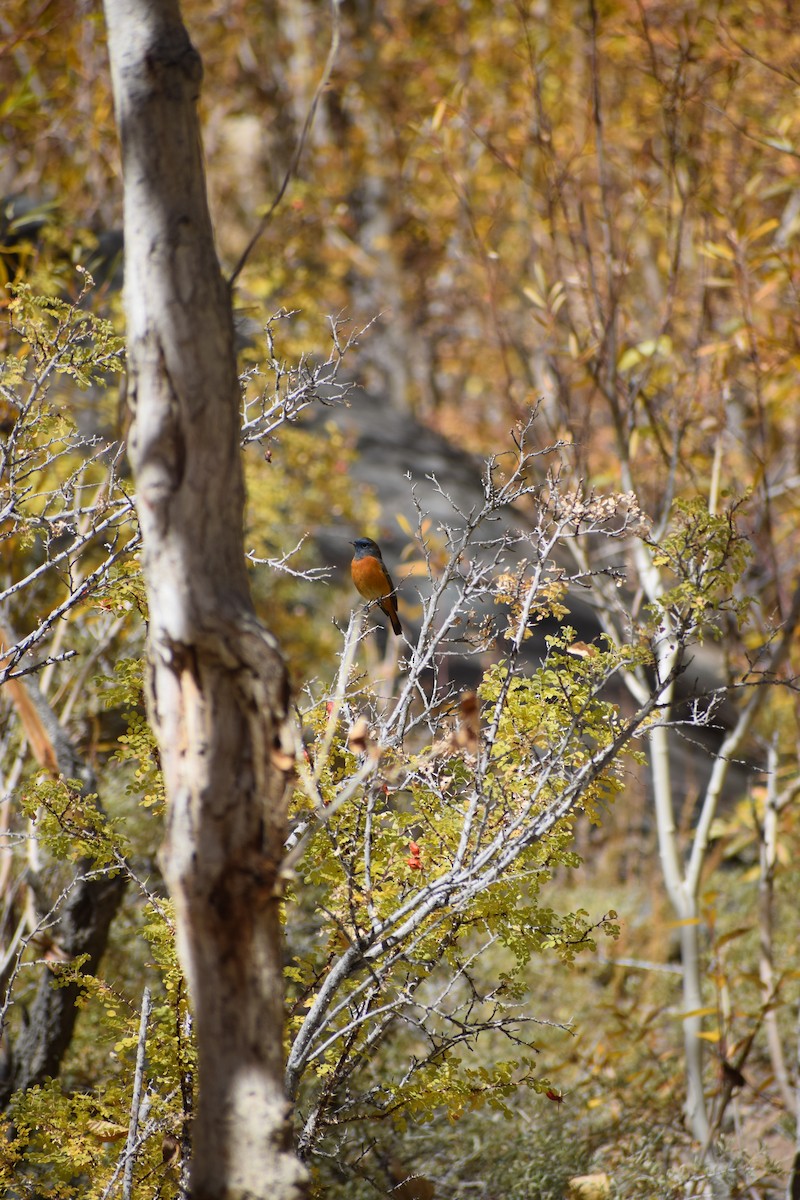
{"points": [[327, 71], [136, 1099]]}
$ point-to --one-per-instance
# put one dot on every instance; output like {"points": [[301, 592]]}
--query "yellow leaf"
{"points": [[535, 297], [438, 115], [582, 650], [734, 933], [708, 1011], [589, 1187], [713, 1035], [107, 1131], [765, 291], [418, 568], [718, 250], [629, 359], [647, 348]]}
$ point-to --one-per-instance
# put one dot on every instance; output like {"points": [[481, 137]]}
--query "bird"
{"points": [[372, 580]]}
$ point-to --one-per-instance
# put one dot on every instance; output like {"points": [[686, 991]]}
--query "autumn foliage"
{"points": [[539, 876]]}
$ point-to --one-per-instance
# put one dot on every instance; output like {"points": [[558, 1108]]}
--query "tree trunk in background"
{"points": [[84, 919], [217, 683]]}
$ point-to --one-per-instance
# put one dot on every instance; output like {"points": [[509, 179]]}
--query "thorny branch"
{"points": [[361, 987]]}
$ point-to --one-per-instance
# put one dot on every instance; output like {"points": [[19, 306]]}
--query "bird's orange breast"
{"points": [[371, 578]]}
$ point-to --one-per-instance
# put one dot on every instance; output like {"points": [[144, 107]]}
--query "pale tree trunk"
{"points": [[683, 879], [218, 693], [684, 899]]}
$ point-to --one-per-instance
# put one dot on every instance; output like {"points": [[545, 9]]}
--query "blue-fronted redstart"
{"points": [[372, 580]]}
